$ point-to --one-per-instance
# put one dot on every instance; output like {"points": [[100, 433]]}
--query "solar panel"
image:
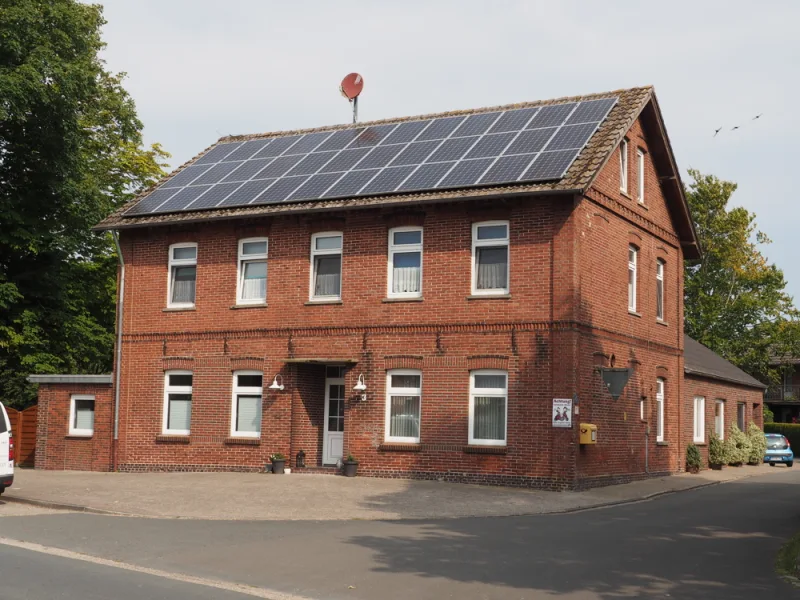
{"points": [[537, 143]]}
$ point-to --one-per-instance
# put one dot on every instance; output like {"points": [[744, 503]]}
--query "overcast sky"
{"points": [[201, 69]]}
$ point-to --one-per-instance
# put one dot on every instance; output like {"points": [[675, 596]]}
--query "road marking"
{"points": [[213, 583]]}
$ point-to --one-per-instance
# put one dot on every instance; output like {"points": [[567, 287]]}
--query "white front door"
{"points": [[333, 440]]}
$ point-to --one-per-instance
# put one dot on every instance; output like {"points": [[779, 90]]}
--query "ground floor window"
{"points": [[177, 403], [659, 410], [488, 407], [81, 415], [246, 408], [403, 404], [719, 419], [699, 419], [740, 415]]}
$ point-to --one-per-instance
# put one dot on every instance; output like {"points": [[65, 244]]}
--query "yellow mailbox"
{"points": [[588, 433]]}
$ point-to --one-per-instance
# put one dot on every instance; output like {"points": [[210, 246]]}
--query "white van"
{"points": [[6, 451]]}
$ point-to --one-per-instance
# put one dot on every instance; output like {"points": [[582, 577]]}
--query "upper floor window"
{"points": [[640, 175], [403, 405], [252, 287], [490, 243], [660, 289], [182, 275], [623, 166], [177, 414], [81, 415], [488, 407], [405, 262], [633, 259], [659, 410], [246, 408], [326, 266]]}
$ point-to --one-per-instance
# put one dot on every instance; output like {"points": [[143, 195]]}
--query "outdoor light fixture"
{"points": [[275, 385], [361, 387]]}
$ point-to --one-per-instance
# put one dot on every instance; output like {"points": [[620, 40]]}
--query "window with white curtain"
{"points": [[326, 266], [488, 407], [699, 419], [660, 289], [403, 405], [177, 403], [719, 418], [633, 259], [659, 410], [405, 262], [623, 166], [490, 245], [246, 408], [640, 175], [252, 287], [81, 415], [182, 275]]}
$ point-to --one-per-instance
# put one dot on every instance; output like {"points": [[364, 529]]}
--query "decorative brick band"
{"points": [[485, 449], [403, 361], [170, 363], [488, 362], [399, 447], [247, 363], [172, 439], [234, 441]]}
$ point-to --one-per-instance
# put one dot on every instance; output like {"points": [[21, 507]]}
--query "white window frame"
{"points": [[660, 385], [314, 254], [660, 267], [699, 421], [403, 248], [721, 404], [473, 392], [72, 410], [245, 391], [492, 243], [623, 166], [640, 175], [741, 407], [393, 391], [180, 262], [248, 258], [632, 282], [176, 389]]}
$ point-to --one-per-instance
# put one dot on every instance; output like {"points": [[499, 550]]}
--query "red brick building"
{"points": [[464, 311]]}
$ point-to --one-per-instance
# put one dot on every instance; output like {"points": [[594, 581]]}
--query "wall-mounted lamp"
{"points": [[275, 385], [361, 387]]}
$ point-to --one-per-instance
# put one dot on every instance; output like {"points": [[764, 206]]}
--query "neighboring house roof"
{"points": [[632, 103], [699, 360]]}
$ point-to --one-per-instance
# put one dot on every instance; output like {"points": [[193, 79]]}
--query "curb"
{"points": [[63, 506]]}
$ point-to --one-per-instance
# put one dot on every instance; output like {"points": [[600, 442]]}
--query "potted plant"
{"points": [[758, 444], [693, 459], [738, 447], [278, 461], [350, 466], [717, 452]]}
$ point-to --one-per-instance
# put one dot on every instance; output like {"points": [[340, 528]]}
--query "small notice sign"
{"points": [[562, 412]]}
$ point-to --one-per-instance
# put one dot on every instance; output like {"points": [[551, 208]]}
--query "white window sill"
{"points": [[401, 441], [402, 299], [175, 433], [485, 444], [324, 301], [662, 322], [699, 442], [662, 443], [633, 313], [179, 308], [625, 193], [80, 434], [251, 305], [497, 296]]}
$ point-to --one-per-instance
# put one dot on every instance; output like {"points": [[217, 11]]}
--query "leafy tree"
{"points": [[735, 301], [71, 152]]}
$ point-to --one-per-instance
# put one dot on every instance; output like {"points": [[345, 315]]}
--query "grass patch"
{"points": [[786, 562]]}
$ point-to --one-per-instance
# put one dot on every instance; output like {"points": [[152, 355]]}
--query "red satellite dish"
{"points": [[351, 86]]}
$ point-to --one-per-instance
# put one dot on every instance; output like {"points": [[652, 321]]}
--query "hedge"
{"points": [[790, 430]]}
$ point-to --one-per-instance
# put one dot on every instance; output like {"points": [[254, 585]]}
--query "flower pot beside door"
{"points": [[350, 466], [278, 461]]}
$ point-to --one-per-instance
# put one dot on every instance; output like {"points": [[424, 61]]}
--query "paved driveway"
{"points": [[250, 496]]}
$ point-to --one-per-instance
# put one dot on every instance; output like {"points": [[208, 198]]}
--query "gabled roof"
{"points": [[578, 178], [699, 360]]}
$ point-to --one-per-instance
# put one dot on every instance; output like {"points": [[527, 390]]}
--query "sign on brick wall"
{"points": [[562, 412]]}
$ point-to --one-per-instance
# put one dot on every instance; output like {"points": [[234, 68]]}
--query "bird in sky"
{"points": [[734, 128], [758, 116], [716, 131]]}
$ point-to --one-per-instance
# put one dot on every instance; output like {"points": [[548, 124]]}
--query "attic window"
{"points": [[623, 166]]}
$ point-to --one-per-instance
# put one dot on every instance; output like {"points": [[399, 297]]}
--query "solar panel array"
{"points": [[504, 147]]}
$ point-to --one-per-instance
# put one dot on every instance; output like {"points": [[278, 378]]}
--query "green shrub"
{"points": [[769, 416], [693, 458], [790, 430], [738, 446], [717, 450], [758, 444], [276, 456]]}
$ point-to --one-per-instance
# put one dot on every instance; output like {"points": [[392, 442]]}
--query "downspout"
{"points": [[118, 366]]}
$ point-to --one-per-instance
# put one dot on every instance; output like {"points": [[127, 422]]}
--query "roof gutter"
{"points": [[118, 366]]}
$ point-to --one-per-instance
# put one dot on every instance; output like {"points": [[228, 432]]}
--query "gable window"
{"points": [[326, 266], [81, 415], [740, 415], [660, 289], [659, 410], [182, 275], [633, 259], [403, 400], [699, 419], [246, 408], [177, 403], [623, 166], [719, 418], [488, 407], [405, 262], [640, 175], [252, 288], [490, 258]]}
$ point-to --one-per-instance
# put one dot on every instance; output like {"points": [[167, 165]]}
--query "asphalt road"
{"points": [[715, 542]]}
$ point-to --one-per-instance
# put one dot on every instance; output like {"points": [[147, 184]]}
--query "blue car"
{"points": [[778, 450]]}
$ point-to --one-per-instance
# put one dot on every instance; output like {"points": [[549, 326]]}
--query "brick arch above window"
{"points": [[635, 239], [662, 372], [182, 363], [499, 362], [247, 363], [328, 224], [402, 361]]}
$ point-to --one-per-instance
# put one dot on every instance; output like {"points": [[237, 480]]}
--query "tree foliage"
{"points": [[735, 300], [71, 152]]}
